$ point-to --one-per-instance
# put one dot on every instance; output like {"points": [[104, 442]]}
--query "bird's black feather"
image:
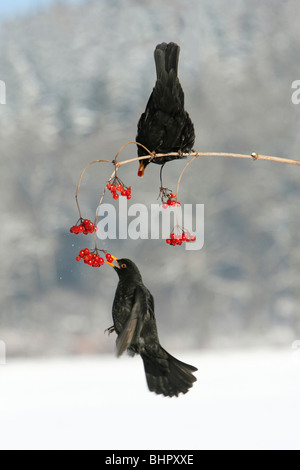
{"points": [[135, 325], [165, 126]]}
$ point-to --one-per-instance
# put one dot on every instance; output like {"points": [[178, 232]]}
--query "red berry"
{"points": [[169, 202], [173, 236], [128, 192], [193, 238], [115, 196], [169, 241], [108, 186], [113, 188], [165, 205], [173, 204], [128, 197], [91, 259], [123, 192], [172, 196], [119, 187]]}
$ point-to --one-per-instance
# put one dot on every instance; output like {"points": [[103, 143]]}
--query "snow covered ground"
{"points": [[242, 400]]}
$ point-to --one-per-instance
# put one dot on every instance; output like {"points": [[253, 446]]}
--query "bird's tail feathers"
{"points": [[166, 375], [166, 59]]}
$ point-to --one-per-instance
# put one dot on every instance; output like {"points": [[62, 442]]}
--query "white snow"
{"points": [[242, 400]]}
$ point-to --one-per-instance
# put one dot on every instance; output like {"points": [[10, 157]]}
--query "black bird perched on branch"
{"points": [[135, 325], [165, 126]]}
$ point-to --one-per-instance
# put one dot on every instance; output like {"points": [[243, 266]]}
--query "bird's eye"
{"points": [[124, 266]]}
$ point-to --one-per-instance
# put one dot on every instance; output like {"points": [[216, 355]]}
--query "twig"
{"points": [[80, 179], [139, 145], [254, 156], [153, 156], [181, 175], [101, 200]]}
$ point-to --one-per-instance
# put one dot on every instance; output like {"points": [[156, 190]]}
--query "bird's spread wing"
{"points": [[135, 322]]}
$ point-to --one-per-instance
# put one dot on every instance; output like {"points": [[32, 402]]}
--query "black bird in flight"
{"points": [[165, 126], [135, 325]]}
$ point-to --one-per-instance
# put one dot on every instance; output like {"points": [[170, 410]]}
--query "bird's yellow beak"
{"points": [[142, 169], [112, 264]]}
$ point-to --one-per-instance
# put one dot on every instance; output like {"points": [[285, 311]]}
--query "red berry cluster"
{"points": [[84, 226], [116, 187], [179, 239], [90, 258], [171, 201], [109, 258]]}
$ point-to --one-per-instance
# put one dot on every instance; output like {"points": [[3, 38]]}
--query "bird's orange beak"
{"points": [[112, 264], [142, 169]]}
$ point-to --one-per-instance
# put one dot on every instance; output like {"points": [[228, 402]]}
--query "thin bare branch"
{"points": [[181, 175], [192, 155], [139, 145], [80, 179], [253, 156]]}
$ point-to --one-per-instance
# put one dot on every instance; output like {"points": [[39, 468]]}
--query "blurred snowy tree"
{"points": [[78, 78]]}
